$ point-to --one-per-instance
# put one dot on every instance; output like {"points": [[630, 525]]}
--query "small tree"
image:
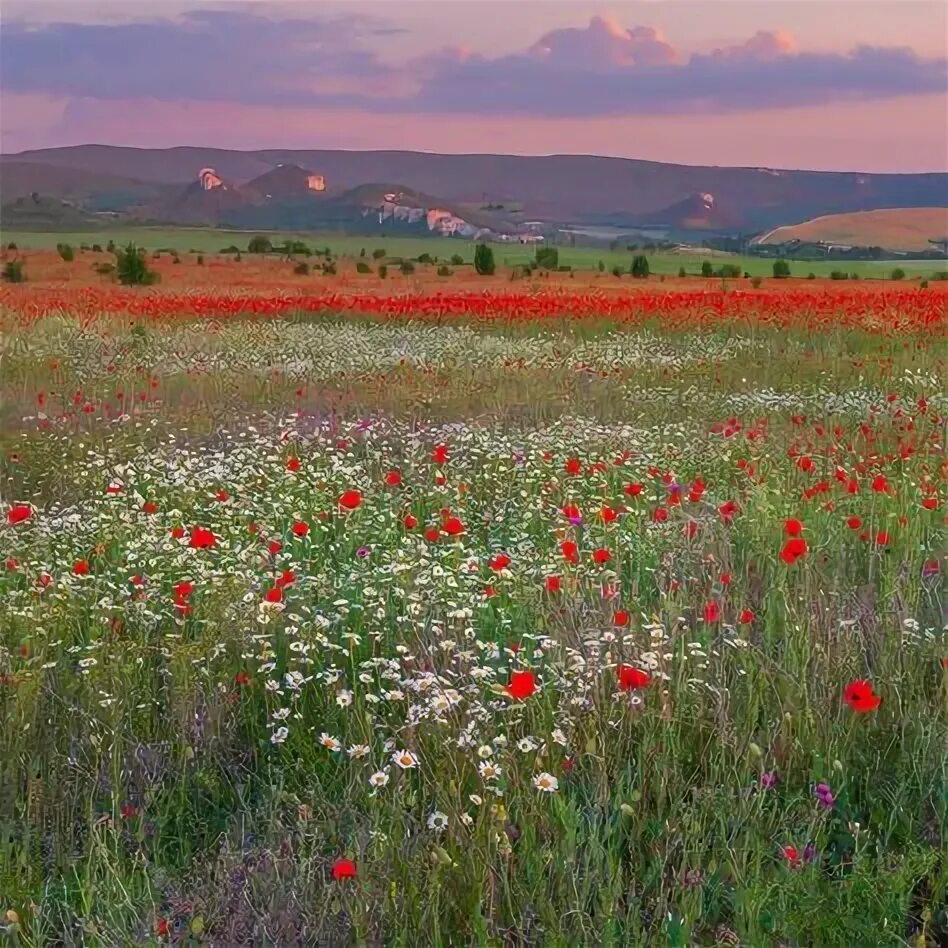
{"points": [[602, 267], [132, 268], [13, 272], [484, 260], [378, 253], [898, 274], [706, 269], [383, 270], [444, 271], [639, 268], [548, 258], [407, 267], [457, 260], [781, 269], [681, 272], [66, 252], [363, 267], [617, 271], [259, 244]]}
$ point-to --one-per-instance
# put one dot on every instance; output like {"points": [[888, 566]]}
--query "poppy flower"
{"points": [[453, 526], [223, 496], [393, 478], [631, 678], [879, 484], [300, 528], [80, 568], [747, 616], [499, 562], [881, 538], [409, 522], [11, 563], [150, 507], [792, 527], [601, 556], [854, 522], [712, 612], [522, 685], [573, 466], [432, 534], [274, 547], [572, 513], [608, 514], [350, 499], [660, 514], [633, 490], [293, 464], [570, 551], [620, 618], [727, 510], [202, 538], [274, 595], [860, 696], [930, 503], [553, 584], [19, 513], [440, 454], [343, 869], [793, 549], [242, 678]]}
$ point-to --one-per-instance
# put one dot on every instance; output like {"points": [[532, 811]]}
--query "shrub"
{"points": [[853, 276], [839, 275], [444, 271], [131, 267], [329, 268], [425, 258], [681, 272], [66, 252], [484, 260], [811, 276], [200, 259], [97, 248], [231, 249], [923, 285], [378, 253], [363, 267], [457, 260], [110, 246], [639, 268], [781, 269], [13, 272], [940, 275], [602, 267], [756, 281], [11, 246], [617, 271], [383, 270], [897, 274], [706, 269], [547, 258], [259, 244], [407, 267], [302, 268], [728, 270], [362, 252]]}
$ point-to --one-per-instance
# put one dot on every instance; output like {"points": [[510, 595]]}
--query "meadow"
{"points": [[212, 240], [400, 613]]}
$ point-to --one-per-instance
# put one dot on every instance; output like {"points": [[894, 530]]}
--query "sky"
{"points": [[823, 84]]}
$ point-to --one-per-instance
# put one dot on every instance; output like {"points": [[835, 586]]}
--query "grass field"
{"points": [[531, 620], [209, 240]]}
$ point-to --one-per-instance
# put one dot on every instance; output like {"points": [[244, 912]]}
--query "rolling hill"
{"points": [[556, 188], [900, 228]]}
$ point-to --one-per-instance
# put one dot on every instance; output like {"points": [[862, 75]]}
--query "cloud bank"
{"points": [[601, 69]]}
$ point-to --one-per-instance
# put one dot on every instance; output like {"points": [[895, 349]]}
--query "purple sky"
{"points": [[837, 84]]}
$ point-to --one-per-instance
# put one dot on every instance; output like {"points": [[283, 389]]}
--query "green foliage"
{"points": [[681, 272], [601, 267], [231, 248], [923, 285], [97, 248], [13, 272], [131, 267], [66, 252], [378, 253], [728, 271], [11, 245], [457, 260], [406, 267], [897, 274], [259, 244], [383, 270], [706, 269], [781, 269], [484, 260], [811, 275], [329, 268], [200, 260], [617, 271], [444, 271], [425, 258], [363, 267], [639, 268], [547, 258], [839, 275]]}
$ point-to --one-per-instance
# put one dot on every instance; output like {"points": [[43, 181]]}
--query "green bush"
{"points": [[640, 267], [617, 271], [444, 271], [200, 259], [681, 272], [897, 274], [781, 269], [259, 244], [378, 253], [66, 252], [457, 260], [363, 267], [839, 275], [97, 248], [132, 268], [547, 258], [13, 272], [706, 269], [425, 258], [407, 267], [484, 260], [728, 270], [811, 275], [383, 270], [11, 246], [329, 268], [923, 285]]}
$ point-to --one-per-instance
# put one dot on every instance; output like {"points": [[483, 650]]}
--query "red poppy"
{"points": [[350, 499], [572, 512], [727, 510], [573, 466], [150, 507], [608, 514], [570, 551], [293, 464], [490, 592], [793, 549], [18, 513], [440, 454], [930, 503], [222, 495], [393, 478], [137, 580], [11, 563], [860, 696], [274, 547], [202, 538], [854, 522], [633, 490], [792, 527], [620, 618], [631, 677], [879, 484], [601, 556], [274, 595], [553, 584], [499, 562], [452, 526], [432, 534], [660, 514], [286, 578], [712, 612], [81, 568], [522, 685], [409, 522], [747, 616], [343, 869], [300, 528], [791, 853], [881, 538]]}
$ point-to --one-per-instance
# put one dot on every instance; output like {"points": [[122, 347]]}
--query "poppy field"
{"points": [[503, 618]]}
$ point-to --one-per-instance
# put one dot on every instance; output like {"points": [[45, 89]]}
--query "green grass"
{"points": [[584, 258], [141, 783]]}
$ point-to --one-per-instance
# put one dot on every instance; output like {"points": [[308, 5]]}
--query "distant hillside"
{"points": [[558, 188], [698, 212], [899, 228], [39, 213]]}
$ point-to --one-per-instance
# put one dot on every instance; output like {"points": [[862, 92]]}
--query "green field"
{"points": [[583, 258]]}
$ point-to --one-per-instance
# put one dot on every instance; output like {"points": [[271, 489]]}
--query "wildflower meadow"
{"points": [[521, 618]]}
